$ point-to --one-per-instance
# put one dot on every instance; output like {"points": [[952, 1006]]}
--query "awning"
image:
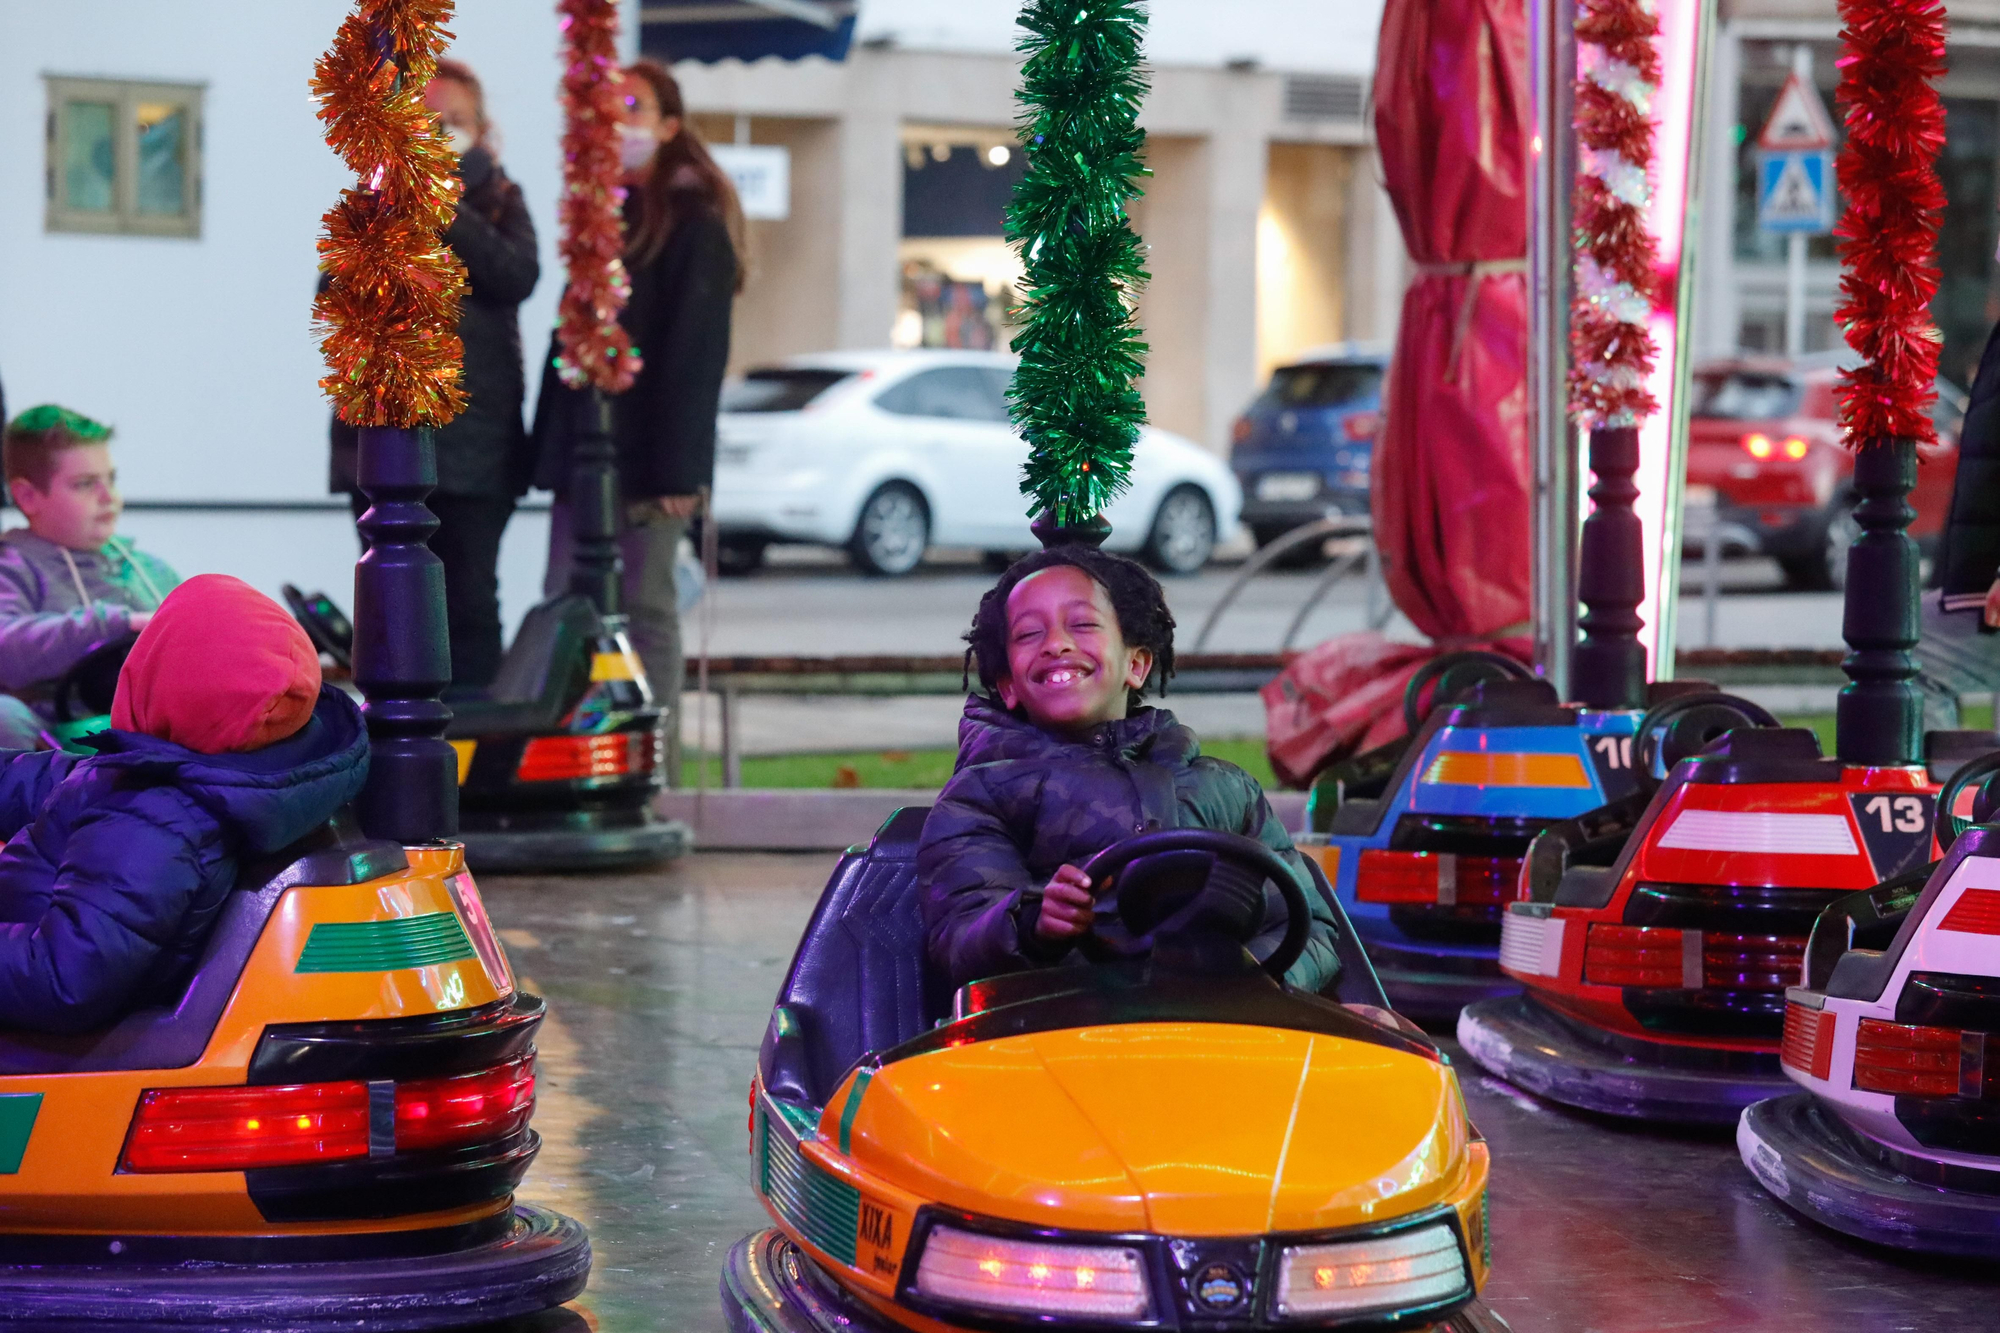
{"points": [[712, 30]]}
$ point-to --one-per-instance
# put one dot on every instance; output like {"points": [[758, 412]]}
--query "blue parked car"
{"points": [[1303, 449]]}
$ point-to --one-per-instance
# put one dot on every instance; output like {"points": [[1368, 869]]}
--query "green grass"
{"points": [[929, 769]]}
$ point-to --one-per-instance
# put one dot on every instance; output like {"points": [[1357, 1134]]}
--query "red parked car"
{"points": [[1764, 452]]}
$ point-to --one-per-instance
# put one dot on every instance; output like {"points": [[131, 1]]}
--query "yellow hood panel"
{"points": [[1177, 1128]]}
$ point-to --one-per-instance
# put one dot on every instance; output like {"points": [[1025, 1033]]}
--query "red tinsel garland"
{"points": [[1893, 51], [596, 349], [388, 319], [1611, 350]]}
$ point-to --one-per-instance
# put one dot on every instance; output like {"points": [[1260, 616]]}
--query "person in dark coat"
{"points": [[1061, 762], [1959, 651], [484, 460], [225, 745], [684, 247]]}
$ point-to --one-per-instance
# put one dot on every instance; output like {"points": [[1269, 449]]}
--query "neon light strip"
{"points": [[1667, 218]]}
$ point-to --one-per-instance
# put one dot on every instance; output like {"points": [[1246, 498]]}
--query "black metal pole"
{"points": [[1608, 669], [1879, 719], [402, 647], [593, 508]]}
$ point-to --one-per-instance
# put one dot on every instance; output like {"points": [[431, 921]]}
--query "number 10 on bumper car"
{"points": [[1174, 1142]]}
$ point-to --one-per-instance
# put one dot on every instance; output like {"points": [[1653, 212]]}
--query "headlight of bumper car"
{"points": [[1035, 1277], [1404, 1271]]}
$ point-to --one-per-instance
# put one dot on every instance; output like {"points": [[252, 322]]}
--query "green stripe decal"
{"points": [[17, 1121], [862, 1079], [822, 1208], [385, 946]]}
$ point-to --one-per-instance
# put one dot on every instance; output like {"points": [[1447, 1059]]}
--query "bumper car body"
{"points": [[324, 1129], [1121, 1145], [1895, 1135], [559, 760], [1424, 839], [1655, 985]]}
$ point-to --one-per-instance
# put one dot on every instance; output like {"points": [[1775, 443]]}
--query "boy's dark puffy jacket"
{"points": [[1024, 802], [117, 864]]}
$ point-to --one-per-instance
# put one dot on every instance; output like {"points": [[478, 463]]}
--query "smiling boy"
{"points": [[1060, 760], [68, 582]]}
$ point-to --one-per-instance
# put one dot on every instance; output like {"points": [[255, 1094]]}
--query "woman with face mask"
{"points": [[484, 461], [683, 250]]}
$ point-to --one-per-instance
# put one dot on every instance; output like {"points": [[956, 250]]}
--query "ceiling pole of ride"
{"points": [[1611, 345], [1075, 397], [388, 324], [1892, 55], [1552, 57], [595, 353]]}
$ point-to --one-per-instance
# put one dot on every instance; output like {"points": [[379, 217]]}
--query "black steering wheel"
{"points": [[1949, 825], [330, 631], [1159, 890], [1686, 725], [91, 683], [1451, 677]]}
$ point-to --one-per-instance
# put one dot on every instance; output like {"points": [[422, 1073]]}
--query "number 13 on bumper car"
{"points": [[1179, 1141]]}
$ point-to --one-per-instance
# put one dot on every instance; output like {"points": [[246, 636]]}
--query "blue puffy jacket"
{"points": [[117, 864]]}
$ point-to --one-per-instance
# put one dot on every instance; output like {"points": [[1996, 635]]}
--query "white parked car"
{"points": [[889, 453]]}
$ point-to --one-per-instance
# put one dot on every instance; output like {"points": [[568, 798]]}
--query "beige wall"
{"points": [[788, 306], [1173, 309], [1302, 250]]}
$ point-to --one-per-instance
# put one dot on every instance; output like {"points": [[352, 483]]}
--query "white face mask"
{"points": [[635, 147], [462, 140]]}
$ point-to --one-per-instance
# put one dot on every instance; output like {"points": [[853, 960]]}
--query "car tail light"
{"points": [[471, 1108], [1667, 957], [236, 1129], [301, 1124], [1808, 1043], [1358, 426], [1758, 445], [1032, 1277], [1908, 1061], [1435, 877], [1795, 448], [1977, 912], [1239, 431], [1403, 1272], [573, 758], [1751, 962]]}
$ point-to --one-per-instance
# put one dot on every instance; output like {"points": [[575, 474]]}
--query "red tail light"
{"points": [[1239, 432], [1795, 448], [1977, 912], [1808, 1044], [1758, 445], [1360, 426], [572, 758], [1436, 878], [446, 1112], [1634, 956], [1907, 1061], [235, 1129], [241, 1129]]}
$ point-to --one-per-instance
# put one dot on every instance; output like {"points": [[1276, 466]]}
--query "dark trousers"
{"points": [[468, 542]]}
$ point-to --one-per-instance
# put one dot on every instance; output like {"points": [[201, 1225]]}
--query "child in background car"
{"points": [[68, 583], [225, 746], [1058, 761]]}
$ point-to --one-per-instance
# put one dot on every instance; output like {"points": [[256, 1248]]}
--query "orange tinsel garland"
{"points": [[595, 348], [388, 319]]}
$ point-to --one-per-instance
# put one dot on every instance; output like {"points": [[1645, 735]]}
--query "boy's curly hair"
{"points": [[1136, 599]]}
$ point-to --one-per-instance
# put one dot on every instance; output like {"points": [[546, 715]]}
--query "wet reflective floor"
{"points": [[659, 987]]}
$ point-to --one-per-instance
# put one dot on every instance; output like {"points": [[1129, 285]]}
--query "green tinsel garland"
{"points": [[1074, 397]]}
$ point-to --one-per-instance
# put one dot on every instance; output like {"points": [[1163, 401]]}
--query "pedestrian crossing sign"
{"points": [[1795, 192]]}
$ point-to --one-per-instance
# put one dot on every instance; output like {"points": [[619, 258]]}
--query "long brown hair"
{"points": [[681, 165]]}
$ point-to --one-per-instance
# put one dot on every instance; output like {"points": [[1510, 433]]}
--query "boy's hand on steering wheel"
{"points": [[1068, 907]]}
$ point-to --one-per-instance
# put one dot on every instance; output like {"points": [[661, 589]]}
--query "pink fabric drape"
{"points": [[1452, 481]]}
